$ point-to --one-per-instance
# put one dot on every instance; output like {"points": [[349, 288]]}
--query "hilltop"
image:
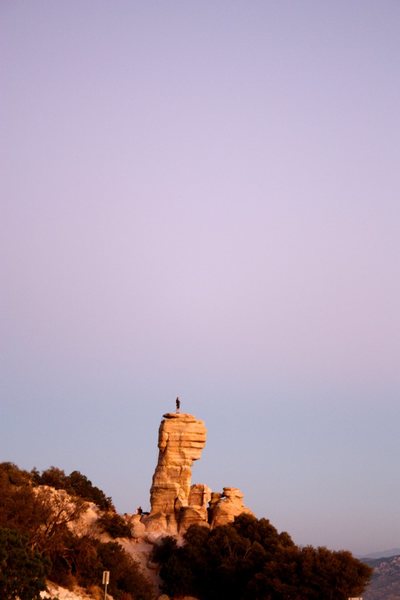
{"points": [[61, 530]]}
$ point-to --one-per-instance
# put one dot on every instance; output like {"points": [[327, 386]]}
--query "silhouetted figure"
{"points": [[139, 510], [178, 404]]}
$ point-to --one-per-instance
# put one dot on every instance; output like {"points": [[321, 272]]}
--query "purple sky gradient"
{"points": [[203, 198]]}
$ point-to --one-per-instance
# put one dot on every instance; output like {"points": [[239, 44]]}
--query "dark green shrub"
{"points": [[53, 477], [249, 559], [75, 484], [91, 557], [22, 570], [81, 486], [126, 576], [115, 525], [41, 543], [14, 475]]}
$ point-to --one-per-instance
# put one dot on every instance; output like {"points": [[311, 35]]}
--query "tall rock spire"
{"points": [[181, 439], [175, 502]]}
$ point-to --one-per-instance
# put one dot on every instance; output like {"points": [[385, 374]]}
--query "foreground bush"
{"points": [[250, 560], [36, 541], [89, 558], [22, 570]]}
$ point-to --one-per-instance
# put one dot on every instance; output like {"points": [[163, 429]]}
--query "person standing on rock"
{"points": [[178, 404]]}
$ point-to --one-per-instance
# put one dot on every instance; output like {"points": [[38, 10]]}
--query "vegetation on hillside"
{"points": [[36, 541], [75, 484], [245, 560], [22, 569], [250, 560]]}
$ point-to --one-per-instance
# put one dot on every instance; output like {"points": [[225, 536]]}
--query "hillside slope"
{"points": [[385, 583]]}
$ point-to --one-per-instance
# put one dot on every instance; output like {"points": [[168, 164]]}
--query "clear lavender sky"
{"points": [[202, 198]]}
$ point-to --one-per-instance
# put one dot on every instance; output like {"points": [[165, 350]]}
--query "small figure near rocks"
{"points": [[178, 404], [139, 510]]}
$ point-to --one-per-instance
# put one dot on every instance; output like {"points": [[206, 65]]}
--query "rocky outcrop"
{"points": [[226, 506], [175, 503], [196, 513], [181, 439]]}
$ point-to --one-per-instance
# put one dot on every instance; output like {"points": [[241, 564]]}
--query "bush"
{"points": [[115, 525], [91, 557], [10, 473], [23, 571], [249, 559], [81, 486], [75, 484], [41, 543]]}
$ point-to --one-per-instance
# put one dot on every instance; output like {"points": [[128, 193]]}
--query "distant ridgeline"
{"points": [[198, 543], [385, 583]]}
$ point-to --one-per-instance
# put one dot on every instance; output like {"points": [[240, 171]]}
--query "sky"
{"points": [[202, 199]]}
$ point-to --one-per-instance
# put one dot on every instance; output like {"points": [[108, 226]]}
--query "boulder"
{"points": [[226, 506]]}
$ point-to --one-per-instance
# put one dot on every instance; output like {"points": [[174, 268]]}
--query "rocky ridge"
{"points": [[385, 582], [175, 502]]}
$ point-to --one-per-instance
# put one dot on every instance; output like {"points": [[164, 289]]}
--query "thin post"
{"points": [[106, 581]]}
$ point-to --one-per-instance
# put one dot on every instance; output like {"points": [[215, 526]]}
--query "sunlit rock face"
{"points": [[181, 439], [196, 513], [175, 503], [226, 506]]}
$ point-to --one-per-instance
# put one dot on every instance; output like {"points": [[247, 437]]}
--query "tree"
{"points": [[22, 571], [75, 484], [115, 525], [42, 516], [10, 473], [81, 486], [177, 575], [53, 477], [37, 538], [332, 575], [248, 559]]}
